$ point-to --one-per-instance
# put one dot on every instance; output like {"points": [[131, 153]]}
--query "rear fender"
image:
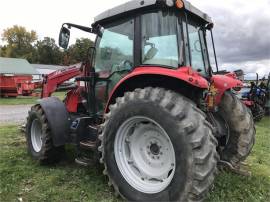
{"points": [[223, 83], [58, 119], [186, 75]]}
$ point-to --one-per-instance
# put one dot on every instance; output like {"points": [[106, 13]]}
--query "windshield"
{"points": [[211, 51], [197, 48]]}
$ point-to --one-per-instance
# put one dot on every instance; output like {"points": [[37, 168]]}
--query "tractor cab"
{"points": [[161, 36], [168, 34]]}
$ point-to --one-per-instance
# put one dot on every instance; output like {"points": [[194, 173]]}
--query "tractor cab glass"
{"points": [[197, 48], [114, 50], [195, 45], [160, 39], [211, 51]]}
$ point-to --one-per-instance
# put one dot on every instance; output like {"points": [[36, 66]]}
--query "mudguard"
{"points": [[186, 74], [58, 119], [223, 83]]}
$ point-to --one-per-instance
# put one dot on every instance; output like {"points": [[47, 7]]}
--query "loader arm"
{"points": [[53, 80]]}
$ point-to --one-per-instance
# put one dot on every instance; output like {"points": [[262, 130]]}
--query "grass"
{"points": [[231, 187], [24, 100], [21, 178]]}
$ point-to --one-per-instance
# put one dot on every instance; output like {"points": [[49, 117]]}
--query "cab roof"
{"points": [[128, 8]]}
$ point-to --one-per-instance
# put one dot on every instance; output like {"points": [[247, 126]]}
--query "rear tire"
{"points": [[39, 138], [241, 129], [186, 130]]}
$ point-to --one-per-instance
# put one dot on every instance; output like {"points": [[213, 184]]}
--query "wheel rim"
{"points": [[144, 155], [36, 135]]}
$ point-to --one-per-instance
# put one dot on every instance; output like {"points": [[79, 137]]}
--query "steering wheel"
{"points": [[125, 65], [197, 46]]}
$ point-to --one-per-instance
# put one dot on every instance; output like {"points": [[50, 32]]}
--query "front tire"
{"points": [[39, 138], [157, 146], [241, 126]]}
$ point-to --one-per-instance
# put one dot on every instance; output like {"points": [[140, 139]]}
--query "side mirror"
{"points": [[64, 37], [151, 53]]}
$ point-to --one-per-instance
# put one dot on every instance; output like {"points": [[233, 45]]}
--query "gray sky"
{"points": [[242, 27]]}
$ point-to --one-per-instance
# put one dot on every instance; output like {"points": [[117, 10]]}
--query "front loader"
{"points": [[148, 105]]}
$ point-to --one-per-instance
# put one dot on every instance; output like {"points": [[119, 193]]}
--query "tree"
{"points": [[78, 52], [2, 50], [19, 42], [47, 52]]}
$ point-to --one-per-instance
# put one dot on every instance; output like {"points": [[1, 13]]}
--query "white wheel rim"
{"points": [[36, 135], [144, 155]]}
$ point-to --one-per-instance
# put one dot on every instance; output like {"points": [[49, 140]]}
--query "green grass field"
{"points": [[23, 100], [22, 179]]}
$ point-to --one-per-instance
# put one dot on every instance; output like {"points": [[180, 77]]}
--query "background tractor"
{"points": [[257, 97], [148, 105]]}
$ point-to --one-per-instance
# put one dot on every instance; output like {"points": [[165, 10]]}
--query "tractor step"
{"points": [[89, 145], [83, 161], [239, 169]]}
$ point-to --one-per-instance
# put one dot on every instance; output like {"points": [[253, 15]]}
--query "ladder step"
{"points": [[87, 144], [83, 161]]}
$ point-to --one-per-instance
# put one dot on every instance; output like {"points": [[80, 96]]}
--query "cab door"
{"points": [[114, 57]]}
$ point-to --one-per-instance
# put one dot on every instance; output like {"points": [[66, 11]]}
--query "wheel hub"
{"points": [[36, 135], [144, 154], [154, 148]]}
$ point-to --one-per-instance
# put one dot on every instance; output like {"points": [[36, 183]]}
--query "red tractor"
{"points": [[149, 105]]}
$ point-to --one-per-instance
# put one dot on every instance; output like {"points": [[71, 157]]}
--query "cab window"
{"points": [[198, 49], [114, 50], [197, 60], [160, 39]]}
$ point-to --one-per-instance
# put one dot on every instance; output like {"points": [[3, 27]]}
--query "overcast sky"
{"points": [[242, 27]]}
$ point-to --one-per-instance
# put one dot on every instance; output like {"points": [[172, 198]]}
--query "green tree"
{"points": [[19, 42], [2, 49], [78, 52], [47, 52]]}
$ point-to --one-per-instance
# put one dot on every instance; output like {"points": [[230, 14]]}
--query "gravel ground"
{"points": [[13, 113]]}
